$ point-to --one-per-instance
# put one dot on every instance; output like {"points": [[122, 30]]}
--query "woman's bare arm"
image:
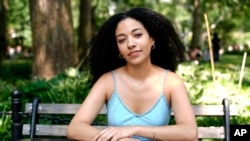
{"points": [[185, 128], [80, 126]]}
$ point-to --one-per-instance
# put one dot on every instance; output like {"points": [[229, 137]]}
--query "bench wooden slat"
{"points": [[60, 130], [50, 130], [200, 110], [71, 109], [213, 110]]}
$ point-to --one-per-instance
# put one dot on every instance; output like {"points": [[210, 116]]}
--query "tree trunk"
{"points": [[3, 40], [84, 32], [52, 35], [197, 26]]}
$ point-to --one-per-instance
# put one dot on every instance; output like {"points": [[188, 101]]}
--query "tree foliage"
{"points": [[228, 18], [18, 21], [225, 15]]}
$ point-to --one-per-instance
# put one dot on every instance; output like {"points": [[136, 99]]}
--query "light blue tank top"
{"points": [[120, 115]]}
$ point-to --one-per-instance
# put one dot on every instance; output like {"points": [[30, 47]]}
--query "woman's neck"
{"points": [[139, 72]]}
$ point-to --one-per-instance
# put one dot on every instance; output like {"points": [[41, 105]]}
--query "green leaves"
{"points": [[202, 89], [60, 89]]}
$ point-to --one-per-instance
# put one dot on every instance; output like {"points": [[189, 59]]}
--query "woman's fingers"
{"points": [[105, 135], [114, 134]]}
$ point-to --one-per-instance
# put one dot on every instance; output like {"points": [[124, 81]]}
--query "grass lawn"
{"points": [[203, 90], [236, 60]]}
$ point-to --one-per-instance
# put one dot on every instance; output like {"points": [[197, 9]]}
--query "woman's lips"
{"points": [[134, 53]]}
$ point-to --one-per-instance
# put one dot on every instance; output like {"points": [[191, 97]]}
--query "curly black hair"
{"points": [[104, 55]]}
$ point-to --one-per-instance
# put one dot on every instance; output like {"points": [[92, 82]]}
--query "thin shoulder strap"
{"points": [[164, 78], [114, 76]]}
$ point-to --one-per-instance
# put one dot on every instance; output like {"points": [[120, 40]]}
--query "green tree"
{"points": [[18, 21], [53, 39], [84, 30], [197, 25], [3, 40]]}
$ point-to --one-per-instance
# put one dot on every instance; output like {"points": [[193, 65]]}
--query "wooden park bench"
{"points": [[35, 109]]}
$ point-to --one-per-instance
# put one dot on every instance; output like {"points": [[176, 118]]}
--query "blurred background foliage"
{"points": [[230, 18]]}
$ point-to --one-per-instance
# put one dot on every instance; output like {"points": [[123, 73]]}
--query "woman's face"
{"points": [[133, 40]]}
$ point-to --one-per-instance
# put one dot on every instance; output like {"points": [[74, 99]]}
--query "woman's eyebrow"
{"points": [[134, 30]]}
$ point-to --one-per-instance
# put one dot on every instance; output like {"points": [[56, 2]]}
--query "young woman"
{"points": [[132, 61]]}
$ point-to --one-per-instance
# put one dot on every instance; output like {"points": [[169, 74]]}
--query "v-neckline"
{"points": [[131, 111]]}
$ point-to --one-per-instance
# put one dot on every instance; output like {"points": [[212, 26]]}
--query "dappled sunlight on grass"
{"points": [[203, 90]]}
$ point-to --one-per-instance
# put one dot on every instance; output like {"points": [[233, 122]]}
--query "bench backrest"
{"points": [[219, 132]]}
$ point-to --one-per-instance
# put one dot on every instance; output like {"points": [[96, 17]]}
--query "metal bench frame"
{"points": [[35, 109]]}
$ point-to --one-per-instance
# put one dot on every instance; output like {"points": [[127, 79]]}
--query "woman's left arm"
{"points": [[185, 128]]}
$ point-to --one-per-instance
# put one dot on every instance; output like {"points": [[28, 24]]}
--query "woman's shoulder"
{"points": [[105, 82], [108, 76], [168, 73], [172, 78]]}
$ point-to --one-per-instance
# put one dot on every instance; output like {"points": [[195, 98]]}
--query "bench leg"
{"points": [[17, 125], [34, 117], [226, 120]]}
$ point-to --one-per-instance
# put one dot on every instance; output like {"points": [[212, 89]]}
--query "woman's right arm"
{"points": [[80, 126]]}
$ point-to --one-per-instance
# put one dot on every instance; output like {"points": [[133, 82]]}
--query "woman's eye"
{"points": [[138, 35], [121, 40]]}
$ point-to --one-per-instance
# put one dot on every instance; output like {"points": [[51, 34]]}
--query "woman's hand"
{"points": [[115, 134], [128, 139]]}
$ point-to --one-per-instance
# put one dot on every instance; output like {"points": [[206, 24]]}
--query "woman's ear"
{"points": [[153, 41]]}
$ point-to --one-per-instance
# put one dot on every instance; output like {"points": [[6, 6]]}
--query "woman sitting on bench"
{"points": [[133, 59]]}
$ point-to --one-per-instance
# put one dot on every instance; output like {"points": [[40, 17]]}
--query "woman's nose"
{"points": [[131, 43]]}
